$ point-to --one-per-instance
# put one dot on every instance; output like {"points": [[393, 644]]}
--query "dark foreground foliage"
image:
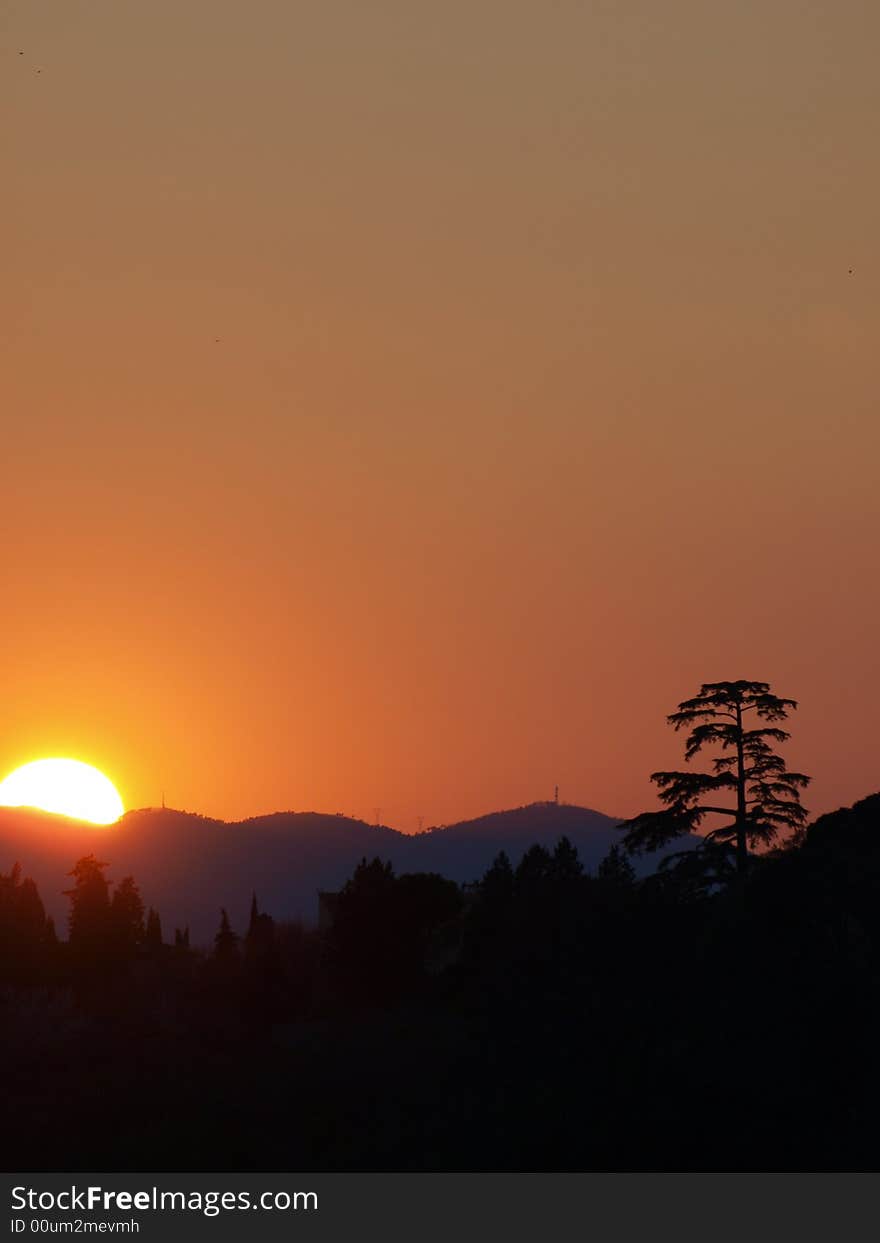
{"points": [[540, 1020]]}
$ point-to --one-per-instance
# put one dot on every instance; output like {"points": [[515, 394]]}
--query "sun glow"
{"points": [[66, 787]]}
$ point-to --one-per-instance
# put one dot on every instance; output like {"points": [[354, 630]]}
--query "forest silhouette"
{"points": [[718, 1014]]}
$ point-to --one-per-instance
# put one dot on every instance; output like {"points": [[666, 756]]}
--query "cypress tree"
{"points": [[153, 932]]}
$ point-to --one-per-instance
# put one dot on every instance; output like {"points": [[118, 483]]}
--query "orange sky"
{"points": [[405, 405]]}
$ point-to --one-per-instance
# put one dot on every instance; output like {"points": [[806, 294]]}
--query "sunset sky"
{"points": [[405, 405]]}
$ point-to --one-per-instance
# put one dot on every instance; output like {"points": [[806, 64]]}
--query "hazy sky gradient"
{"points": [[546, 388]]}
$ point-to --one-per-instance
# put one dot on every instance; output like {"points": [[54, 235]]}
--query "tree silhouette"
{"points": [[373, 880], [260, 938], [25, 932], [766, 795], [532, 874], [616, 869], [385, 926], [496, 887], [565, 866], [89, 920], [153, 932], [225, 941], [127, 917]]}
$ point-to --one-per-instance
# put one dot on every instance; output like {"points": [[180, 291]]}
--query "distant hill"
{"points": [[465, 850], [188, 866]]}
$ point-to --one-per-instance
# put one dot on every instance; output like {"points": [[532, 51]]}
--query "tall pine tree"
{"points": [[764, 796]]}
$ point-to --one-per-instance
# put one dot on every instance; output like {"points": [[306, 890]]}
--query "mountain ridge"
{"points": [[188, 865]]}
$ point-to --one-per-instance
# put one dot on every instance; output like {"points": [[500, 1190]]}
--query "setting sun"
{"points": [[65, 787]]}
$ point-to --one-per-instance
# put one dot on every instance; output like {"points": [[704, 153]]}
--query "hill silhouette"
{"points": [[464, 851], [855, 828], [189, 866]]}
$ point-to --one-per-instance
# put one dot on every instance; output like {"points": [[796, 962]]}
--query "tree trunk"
{"points": [[742, 850]]}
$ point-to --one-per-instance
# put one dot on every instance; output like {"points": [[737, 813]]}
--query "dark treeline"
{"points": [[720, 1014]]}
